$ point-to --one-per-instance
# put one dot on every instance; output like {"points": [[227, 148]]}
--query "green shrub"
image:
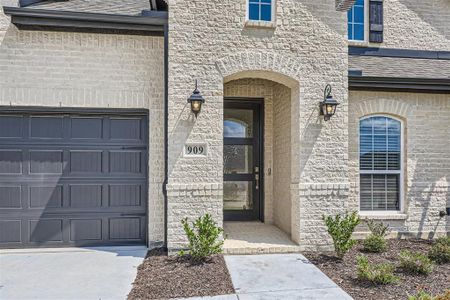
{"points": [[440, 251], [203, 236], [375, 273], [374, 243], [415, 262], [341, 229], [422, 295], [378, 228]]}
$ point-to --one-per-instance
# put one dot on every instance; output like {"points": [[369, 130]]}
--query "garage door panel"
{"points": [[86, 161], [125, 195], [46, 127], [10, 197], [125, 161], [85, 196], [11, 161], [46, 161], [125, 228], [125, 129], [46, 196], [10, 231], [85, 230], [11, 127], [46, 230], [86, 128]]}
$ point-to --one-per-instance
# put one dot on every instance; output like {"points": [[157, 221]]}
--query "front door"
{"points": [[242, 160]]}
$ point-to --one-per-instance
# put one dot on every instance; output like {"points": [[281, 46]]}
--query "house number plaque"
{"points": [[195, 149]]}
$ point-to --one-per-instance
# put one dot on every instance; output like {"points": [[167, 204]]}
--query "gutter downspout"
{"points": [[166, 127]]}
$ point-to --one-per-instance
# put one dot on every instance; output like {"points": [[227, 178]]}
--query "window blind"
{"points": [[380, 163]]}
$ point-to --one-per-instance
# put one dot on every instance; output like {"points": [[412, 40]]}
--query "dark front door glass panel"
{"points": [[238, 123], [238, 195], [242, 160], [237, 159]]}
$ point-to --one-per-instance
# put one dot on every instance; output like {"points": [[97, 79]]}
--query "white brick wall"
{"points": [[426, 119], [66, 69], [282, 157]]}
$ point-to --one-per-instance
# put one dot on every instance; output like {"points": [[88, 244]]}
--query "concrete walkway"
{"points": [[278, 276], [70, 273]]}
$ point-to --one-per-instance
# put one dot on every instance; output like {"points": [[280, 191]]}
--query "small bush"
{"points": [[378, 228], [415, 262], [422, 295], [203, 238], [440, 251], [341, 229], [375, 273], [374, 243]]}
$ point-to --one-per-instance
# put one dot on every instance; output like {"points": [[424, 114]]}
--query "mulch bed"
{"points": [[344, 273], [163, 277]]}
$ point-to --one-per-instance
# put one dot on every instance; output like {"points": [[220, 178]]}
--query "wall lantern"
{"points": [[328, 105], [196, 100]]}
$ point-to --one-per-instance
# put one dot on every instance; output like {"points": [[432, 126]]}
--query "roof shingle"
{"points": [[400, 67], [119, 7]]}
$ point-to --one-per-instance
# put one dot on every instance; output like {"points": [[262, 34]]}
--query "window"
{"points": [[356, 21], [260, 10], [380, 163]]}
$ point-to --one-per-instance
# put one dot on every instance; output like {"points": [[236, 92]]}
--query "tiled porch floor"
{"points": [[256, 238]]}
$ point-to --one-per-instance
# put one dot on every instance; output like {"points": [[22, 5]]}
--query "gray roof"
{"points": [[120, 7], [400, 67]]}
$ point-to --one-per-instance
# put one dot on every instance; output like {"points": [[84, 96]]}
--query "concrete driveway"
{"points": [[70, 273]]}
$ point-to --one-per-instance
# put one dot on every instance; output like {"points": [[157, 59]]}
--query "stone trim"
{"points": [[382, 216], [385, 106], [194, 186], [261, 61], [344, 5]]}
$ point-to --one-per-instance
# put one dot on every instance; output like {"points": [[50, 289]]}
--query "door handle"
{"points": [[256, 170]]}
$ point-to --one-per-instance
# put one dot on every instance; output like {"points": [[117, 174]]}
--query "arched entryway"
{"points": [[261, 110]]}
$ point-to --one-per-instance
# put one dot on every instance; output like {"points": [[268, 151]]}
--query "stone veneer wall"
{"points": [[67, 69], [305, 49], [426, 119], [282, 158]]}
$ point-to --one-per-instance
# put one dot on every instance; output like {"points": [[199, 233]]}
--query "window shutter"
{"points": [[376, 21]]}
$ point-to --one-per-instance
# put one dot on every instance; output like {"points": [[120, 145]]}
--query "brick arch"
{"points": [[395, 108], [284, 69]]}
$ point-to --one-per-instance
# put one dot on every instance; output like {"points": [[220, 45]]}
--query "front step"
{"points": [[261, 250], [256, 238]]}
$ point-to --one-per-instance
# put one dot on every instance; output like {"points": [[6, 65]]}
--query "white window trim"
{"points": [[259, 23], [365, 42], [386, 213]]}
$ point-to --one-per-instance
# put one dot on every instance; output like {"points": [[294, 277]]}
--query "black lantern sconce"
{"points": [[196, 100], [328, 105]]}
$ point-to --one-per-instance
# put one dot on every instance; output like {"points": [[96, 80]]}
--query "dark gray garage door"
{"points": [[72, 179]]}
